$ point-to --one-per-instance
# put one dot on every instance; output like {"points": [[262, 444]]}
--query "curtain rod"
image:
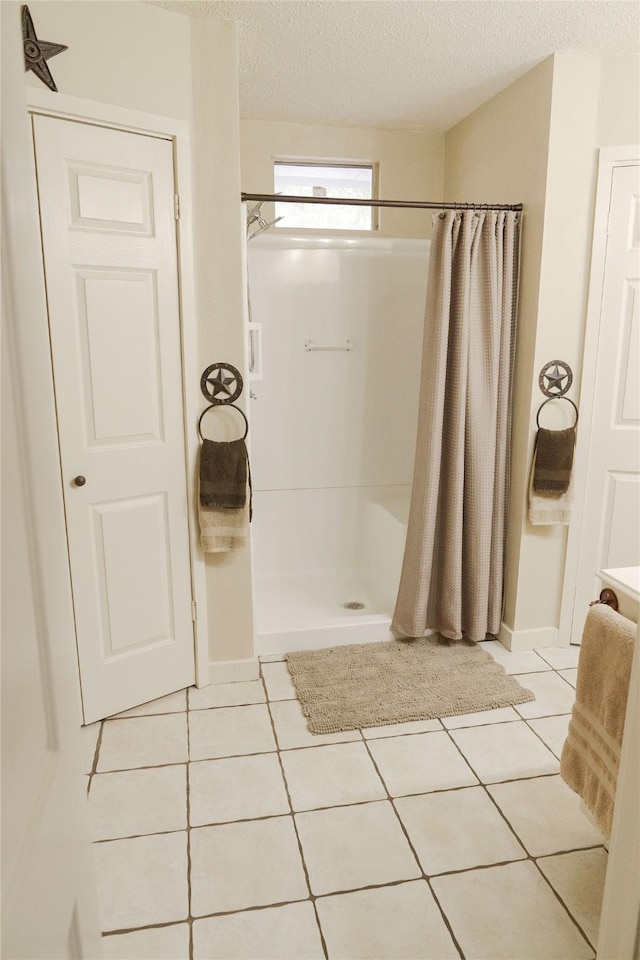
{"points": [[417, 204]]}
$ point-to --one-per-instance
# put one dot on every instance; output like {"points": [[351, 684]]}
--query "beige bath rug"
{"points": [[371, 684]]}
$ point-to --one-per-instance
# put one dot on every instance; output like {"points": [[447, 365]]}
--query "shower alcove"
{"points": [[336, 339]]}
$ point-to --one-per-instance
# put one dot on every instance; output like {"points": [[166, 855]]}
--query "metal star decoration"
{"points": [[220, 385], [37, 52], [555, 378]]}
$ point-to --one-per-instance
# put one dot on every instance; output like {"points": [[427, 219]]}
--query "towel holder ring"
{"points": [[221, 384], [548, 400], [212, 406]]}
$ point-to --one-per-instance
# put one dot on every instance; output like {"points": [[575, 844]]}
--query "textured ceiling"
{"points": [[414, 64]]}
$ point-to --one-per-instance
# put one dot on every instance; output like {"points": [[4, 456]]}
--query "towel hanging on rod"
{"points": [[551, 471]]}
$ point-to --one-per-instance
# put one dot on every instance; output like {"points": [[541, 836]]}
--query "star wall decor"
{"points": [[555, 378], [221, 383], [37, 52]]}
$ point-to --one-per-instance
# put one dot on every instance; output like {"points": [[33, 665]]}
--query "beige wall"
{"points": [[129, 54], [220, 286], [537, 142], [619, 108], [411, 164], [498, 154]]}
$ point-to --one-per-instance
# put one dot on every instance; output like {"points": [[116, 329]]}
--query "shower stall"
{"points": [[335, 353]]}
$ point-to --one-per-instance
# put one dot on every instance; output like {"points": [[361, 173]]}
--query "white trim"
{"points": [[531, 639], [232, 671], [609, 159], [618, 155], [103, 114], [178, 131]]}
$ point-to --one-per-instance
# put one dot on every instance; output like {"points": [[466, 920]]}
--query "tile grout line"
{"points": [[149, 926], [561, 901], [96, 753], [293, 821], [189, 865], [345, 891], [533, 730], [353, 803], [259, 703], [445, 919]]}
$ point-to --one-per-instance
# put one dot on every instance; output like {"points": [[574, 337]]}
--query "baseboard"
{"points": [[232, 671], [528, 639]]}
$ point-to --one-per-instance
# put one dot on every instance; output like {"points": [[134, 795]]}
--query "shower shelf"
{"points": [[312, 345]]}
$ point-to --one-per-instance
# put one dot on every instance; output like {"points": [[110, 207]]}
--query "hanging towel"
{"points": [[546, 509], [222, 529], [591, 752], [223, 473], [554, 459]]}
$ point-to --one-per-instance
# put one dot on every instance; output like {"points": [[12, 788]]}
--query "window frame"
{"points": [[336, 164]]}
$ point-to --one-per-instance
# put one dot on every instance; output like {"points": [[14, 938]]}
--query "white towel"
{"points": [[546, 509], [223, 528]]}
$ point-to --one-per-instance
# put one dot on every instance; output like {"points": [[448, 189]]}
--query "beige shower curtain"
{"points": [[453, 568]]}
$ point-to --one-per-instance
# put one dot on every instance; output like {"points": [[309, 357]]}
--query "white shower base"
{"points": [[304, 609]]}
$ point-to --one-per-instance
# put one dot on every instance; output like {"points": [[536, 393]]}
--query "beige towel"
{"points": [[222, 528], [548, 508], [591, 752]]}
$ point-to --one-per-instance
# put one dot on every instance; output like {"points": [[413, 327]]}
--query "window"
{"points": [[325, 180]]}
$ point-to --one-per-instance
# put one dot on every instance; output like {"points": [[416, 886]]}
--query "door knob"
{"points": [[80, 481]]}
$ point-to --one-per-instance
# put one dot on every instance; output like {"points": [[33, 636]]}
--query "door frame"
{"points": [[93, 112], [609, 159]]}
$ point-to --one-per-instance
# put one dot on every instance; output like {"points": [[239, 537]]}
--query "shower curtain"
{"points": [[453, 568]]}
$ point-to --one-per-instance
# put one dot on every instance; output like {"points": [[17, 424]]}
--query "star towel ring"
{"points": [[221, 383], [555, 378]]}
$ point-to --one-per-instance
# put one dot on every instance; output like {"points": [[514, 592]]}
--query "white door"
{"points": [[49, 906], [611, 519], [109, 239]]}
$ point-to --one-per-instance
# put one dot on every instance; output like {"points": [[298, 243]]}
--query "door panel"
{"points": [[118, 330], [106, 203], [611, 520], [110, 199], [619, 547], [131, 550]]}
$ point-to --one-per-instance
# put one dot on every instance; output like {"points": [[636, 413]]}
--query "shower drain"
{"points": [[353, 605]]}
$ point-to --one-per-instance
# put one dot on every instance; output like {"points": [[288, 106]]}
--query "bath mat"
{"points": [[372, 684]]}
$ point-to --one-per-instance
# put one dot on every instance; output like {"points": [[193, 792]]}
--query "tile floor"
{"points": [[224, 830]]}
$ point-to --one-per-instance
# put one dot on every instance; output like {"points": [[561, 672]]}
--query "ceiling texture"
{"points": [[411, 64]]}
